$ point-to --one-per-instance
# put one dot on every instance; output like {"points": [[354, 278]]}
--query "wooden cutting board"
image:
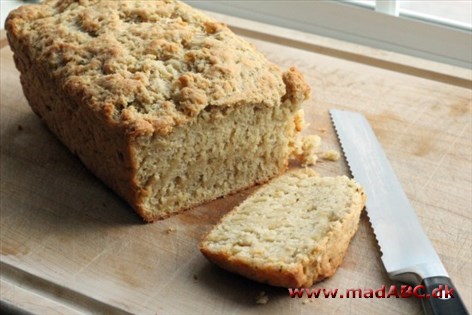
{"points": [[70, 245]]}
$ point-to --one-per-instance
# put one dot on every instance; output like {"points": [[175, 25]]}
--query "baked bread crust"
{"points": [[148, 66], [236, 243], [127, 86]]}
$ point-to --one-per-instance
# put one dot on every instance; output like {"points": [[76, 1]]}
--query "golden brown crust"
{"points": [[149, 66], [270, 274], [296, 89]]}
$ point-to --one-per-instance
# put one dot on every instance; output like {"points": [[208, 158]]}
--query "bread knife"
{"points": [[407, 253]]}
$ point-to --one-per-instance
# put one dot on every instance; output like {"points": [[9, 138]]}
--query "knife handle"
{"points": [[441, 297]]}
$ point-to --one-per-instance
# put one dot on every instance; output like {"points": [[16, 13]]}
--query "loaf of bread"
{"points": [[167, 106], [291, 233]]}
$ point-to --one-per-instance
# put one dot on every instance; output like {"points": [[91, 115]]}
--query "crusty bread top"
{"points": [[148, 65], [286, 224]]}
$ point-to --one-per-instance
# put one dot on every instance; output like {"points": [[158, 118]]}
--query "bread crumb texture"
{"points": [[170, 230], [331, 155], [149, 65], [262, 298], [291, 233], [305, 149]]}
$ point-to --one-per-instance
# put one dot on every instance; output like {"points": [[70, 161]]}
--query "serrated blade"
{"points": [[405, 248]]}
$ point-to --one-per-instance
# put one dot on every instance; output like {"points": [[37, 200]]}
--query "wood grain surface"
{"points": [[70, 245]]}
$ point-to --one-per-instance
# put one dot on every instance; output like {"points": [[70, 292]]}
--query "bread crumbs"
{"points": [[171, 230], [306, 301], [305, 148], [262, 298], [331, 155]]}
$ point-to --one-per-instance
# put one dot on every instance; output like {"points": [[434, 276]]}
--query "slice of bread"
{"points": [[293, 232]]}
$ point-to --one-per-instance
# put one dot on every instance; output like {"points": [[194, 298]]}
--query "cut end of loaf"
{"points": [[217, 157], [291, 233]]}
